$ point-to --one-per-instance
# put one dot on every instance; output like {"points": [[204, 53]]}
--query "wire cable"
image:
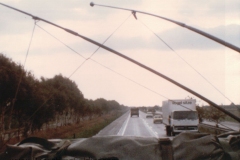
{"points": [[20, 80], [61, 41], [209, 36], [102, 43], [25, 60], [186, 61], [86, 59], [133, 61], [105, 66], [90, 58]]}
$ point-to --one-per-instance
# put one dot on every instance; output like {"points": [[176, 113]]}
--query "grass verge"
{"points": [[204, 129], [84, 129]]}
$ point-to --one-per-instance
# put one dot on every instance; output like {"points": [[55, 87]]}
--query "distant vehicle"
{"points": [[179, 116], [157, 118], [152, 110], [157, 113], [149, 115], [134, 111]]}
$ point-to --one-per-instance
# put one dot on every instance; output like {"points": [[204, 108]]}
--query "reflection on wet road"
{"points": [[134, 126]]}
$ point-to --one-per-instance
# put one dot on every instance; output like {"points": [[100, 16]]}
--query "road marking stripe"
{"points": [[124, 126], [149, 128]]}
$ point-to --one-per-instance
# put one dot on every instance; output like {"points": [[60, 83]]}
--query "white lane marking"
{"points": [[149, 128], [123, 128]]}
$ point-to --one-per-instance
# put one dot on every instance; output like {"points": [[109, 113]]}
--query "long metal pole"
{"points": [[133, 61], [178, 23]]}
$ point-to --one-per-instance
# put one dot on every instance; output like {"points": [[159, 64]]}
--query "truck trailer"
{"points": [[179, 116], [135, 111]]}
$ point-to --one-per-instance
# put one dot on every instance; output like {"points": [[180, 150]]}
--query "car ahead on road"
{"points": [[157, 118], [149, 115]]}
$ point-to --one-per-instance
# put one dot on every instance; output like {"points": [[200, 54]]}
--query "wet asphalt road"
{"points": [[134, 126]]}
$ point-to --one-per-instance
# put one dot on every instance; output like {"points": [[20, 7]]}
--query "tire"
{"points": [[172, 132], [168, 130]]}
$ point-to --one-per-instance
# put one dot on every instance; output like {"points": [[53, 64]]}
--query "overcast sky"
{"points": [[195, 61]]}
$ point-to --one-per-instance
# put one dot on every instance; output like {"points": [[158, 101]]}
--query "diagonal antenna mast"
{"points": [[133, 61], [218, 40]]}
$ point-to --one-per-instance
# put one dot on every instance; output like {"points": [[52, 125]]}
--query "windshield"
{"points": [[56, 84], [185, 115]]}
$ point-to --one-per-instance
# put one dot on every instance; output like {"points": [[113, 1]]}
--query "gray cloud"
{"points": [[180, 38], [54, 11], [208, 7], [232, 6], [70, 10], [185, 39]]}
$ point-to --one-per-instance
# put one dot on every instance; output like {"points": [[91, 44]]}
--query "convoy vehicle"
{"points": [[149, 115], [135, 111], [180, 115], [157, 118], [152, 110]]}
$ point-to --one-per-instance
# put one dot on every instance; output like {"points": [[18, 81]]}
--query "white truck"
{"points": [[179, 116]]}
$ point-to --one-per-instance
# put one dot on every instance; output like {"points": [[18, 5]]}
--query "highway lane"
{"points": [[144, 127], [134, 126]]}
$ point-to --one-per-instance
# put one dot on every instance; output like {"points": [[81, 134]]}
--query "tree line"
{"points": [[29, 103], [211, 114]]}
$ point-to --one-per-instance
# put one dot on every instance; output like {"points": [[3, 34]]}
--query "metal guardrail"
{"points": [[217, 128]]}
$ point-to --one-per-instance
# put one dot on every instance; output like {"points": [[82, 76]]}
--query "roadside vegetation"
{"points": [[30, 105], [210, 114]]}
